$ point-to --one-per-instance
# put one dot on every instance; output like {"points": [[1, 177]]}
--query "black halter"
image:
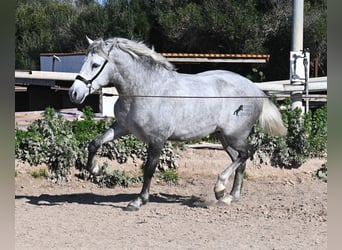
{"points": [[89, 83]]}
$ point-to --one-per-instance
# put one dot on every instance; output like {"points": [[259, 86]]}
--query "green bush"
{"points": [[51, 141], [307, 137], [62, 144], [315, 125], [87, 129], [110, 180], [169, 176], [40, 173]]}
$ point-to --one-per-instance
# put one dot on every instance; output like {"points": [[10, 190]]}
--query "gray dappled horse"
{"points": [[157, 103]]}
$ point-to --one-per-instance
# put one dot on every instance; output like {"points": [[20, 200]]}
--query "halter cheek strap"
{"points": [[89, 83]]}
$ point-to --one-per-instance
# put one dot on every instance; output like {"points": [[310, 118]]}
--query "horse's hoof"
{"points": [[221, 203], [96, 171], [219, 195], [226, 201], [131, 208]]}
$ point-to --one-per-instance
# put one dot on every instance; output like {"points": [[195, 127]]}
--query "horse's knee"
{"points": [[93, 146]]}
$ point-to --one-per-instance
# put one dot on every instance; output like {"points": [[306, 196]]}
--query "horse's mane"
{"points": [[135, 49]]}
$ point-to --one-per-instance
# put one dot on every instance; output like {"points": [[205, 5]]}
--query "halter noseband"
{"points": [[89, 83]]}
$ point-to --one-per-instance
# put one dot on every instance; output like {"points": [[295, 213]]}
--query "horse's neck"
{"points": [[137, 79]]}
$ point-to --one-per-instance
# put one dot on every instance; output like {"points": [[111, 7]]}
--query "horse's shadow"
{"points": [[109, 200]]}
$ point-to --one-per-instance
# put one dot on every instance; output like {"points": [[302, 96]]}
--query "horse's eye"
{"points": [[95, 65]]}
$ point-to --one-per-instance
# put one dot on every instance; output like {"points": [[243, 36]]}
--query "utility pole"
{"points": [[296, 50]]}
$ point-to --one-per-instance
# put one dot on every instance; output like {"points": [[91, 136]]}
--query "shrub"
{"points": [[169, 176], [87, 129], [50, 141], [62, 144], [42, 172], [307, 137], [110, 180], [130, 147], [316, 125]]}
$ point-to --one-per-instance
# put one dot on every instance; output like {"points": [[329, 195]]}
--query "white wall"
{"points": [[69, 63]]}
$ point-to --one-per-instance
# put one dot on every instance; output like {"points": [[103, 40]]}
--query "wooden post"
{"points": [[316, 67]]}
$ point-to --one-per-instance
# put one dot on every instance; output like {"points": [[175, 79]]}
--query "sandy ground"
{"points": [[279, 209]]}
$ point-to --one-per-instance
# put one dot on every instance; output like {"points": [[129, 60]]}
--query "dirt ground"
{"points": [[279, 209]]}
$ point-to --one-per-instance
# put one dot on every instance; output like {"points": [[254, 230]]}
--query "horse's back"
{"points": [[232, 81]]}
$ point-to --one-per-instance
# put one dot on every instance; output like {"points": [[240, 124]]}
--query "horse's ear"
{"points": [[89, 40]]}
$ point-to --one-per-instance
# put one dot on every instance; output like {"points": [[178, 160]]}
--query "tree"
{"points": [[92, 21], [315, 32], [207, 26], [127, 19], [277, 29], [41, 26]]}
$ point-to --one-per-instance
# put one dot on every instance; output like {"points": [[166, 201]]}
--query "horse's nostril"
{"points": [[74, 94]]}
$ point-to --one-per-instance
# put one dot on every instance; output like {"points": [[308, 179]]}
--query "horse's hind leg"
{"points": [[114, 132], [238, 151], [222, 179]]}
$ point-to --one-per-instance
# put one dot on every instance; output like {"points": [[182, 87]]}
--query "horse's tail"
{"points": [[270, 119]]}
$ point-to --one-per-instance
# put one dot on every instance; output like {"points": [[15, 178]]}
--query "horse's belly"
{"points": [[192, 133]]}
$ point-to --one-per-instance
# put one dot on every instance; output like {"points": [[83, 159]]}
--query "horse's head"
{"points": [[111, 62], [95, 72]]}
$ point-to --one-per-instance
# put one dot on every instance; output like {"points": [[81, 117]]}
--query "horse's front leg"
{"points": [[153, 154], [113, 133]]}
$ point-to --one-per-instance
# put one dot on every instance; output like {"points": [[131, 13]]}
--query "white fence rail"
{"points": [[315, 85], [45, 75]]}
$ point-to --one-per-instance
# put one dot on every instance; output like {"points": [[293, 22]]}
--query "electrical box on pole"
{"points": [[299, 74], [299, 71]]}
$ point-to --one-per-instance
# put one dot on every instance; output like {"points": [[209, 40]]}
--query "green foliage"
{"points": [[246, 176], [292, 150], [129, 147], [62, 144], [117, 177], [51, 141], [42, 172], [41, 26], [315, 126], [256, 75], [123, 148], [307, 137], [86, 129], [211, 26], [110, 180], [169, 176]]}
